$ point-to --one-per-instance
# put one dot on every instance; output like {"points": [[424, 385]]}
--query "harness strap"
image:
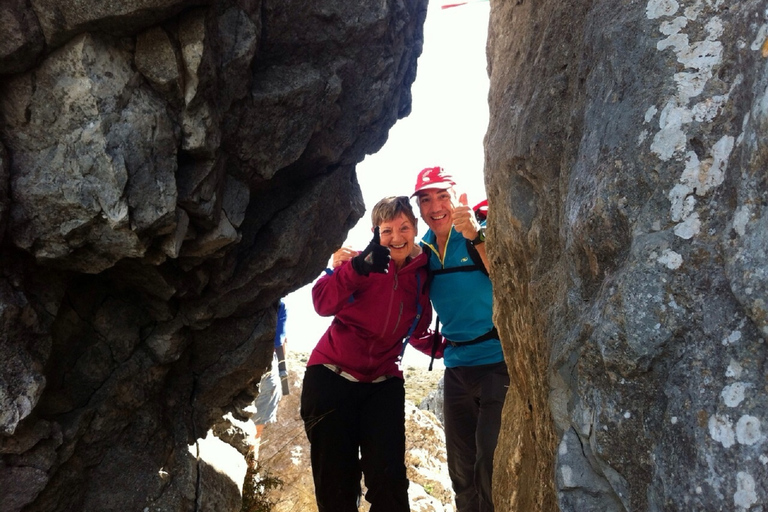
{"points": [[493, 334], [451, 270], [477, 261], [418, 315]]}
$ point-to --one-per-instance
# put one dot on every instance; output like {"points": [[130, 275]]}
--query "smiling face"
{"points": [[436, 206], [399, 234]]}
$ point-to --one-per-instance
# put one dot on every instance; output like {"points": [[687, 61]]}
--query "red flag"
{"points": [[446, 6], [459, 4]]}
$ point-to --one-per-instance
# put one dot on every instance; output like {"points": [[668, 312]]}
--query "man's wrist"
{"points": [[480, 238]]}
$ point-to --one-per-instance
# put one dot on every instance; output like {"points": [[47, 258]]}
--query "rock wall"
{"points": [[168, 170], [625, 168]]}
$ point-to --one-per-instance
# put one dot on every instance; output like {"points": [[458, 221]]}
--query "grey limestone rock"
{"points": [[625, 170], [168, 170], [22, 37]]}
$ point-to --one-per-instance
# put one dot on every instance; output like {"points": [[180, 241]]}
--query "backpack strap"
{"points": [[419, 312], [476, 259], [493, 334], [477, 264]]}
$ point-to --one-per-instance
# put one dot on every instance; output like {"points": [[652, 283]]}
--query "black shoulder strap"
{"points": [[473, 254], [476, 259]]}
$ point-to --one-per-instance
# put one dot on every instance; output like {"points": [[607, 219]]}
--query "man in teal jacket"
{"points": [[476, 379]]}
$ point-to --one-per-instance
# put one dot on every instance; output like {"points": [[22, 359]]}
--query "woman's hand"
{"points": [[375, 258], [346, 253]]}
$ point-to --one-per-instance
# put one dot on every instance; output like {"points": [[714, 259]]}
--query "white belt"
{"points": [[339, 371]]}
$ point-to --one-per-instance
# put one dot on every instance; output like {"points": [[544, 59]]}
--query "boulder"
{"points": [[627, 215], [168, 170]]}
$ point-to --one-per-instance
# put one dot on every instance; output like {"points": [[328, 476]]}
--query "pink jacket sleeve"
{"points": [[424, 342], [332, 291]]}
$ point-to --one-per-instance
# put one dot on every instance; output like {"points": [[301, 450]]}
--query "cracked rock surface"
{"points": [[168, 170]]}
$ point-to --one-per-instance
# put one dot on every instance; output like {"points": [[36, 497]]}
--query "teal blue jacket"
{"points": [[464, 303]]}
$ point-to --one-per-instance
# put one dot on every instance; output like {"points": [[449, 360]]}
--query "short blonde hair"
{"points": [[391, 207]]}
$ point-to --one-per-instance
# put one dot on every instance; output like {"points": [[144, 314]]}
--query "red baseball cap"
{"points": [[433, 177]]}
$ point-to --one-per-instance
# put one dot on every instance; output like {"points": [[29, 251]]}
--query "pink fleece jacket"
{"points": [[373, 315]]}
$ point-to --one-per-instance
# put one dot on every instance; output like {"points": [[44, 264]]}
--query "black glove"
{"points": [[375, 257]]}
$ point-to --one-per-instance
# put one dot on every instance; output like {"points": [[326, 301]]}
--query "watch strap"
{"points": [[480, 238]]}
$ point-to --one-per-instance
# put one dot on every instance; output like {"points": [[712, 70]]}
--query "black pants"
{"points": [[355, 428], [473, 399]]}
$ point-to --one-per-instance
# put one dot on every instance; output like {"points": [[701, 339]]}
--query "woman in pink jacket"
{"points": [[353, 396]]}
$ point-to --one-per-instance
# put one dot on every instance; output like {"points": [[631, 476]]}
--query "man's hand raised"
{"points": [[375, 258], [464, 219]]}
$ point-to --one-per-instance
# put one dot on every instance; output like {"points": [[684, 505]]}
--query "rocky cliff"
{"points": [[625, 168], [168, 170]]}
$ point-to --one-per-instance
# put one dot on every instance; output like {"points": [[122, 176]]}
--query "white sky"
{"points": [[446, 127]]}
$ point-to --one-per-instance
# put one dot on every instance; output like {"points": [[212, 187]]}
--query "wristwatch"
{"points": [[480, 238]]}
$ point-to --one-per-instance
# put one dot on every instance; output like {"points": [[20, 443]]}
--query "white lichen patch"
{"points": [[660, 8], [671, 138], [748, 430], [741, 219], [683, 204], [733, 394], [650, 113], [670, 259], [705, 111], [698, 60], [721, 430], [745, 495], [760, 38], [744, 125], [567, 474], [734, 370], [721, 152], [689, 228], [732, 338]]}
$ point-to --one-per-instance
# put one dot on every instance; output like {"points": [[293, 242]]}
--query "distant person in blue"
{"points": [[269, 385], [476, 378]]}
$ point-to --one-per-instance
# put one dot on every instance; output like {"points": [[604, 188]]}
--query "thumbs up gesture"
{"points": [[464, 219], [375, 258]]}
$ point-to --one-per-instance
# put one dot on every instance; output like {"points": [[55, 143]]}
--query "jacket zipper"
{"points": [[399, 317]]}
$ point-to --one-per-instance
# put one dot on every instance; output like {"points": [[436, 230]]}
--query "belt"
{"points": [[338, 371], [493, 334]]}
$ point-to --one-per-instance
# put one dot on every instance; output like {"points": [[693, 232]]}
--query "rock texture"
{"points": [[168, 170], [625, 168], [433, 402]]}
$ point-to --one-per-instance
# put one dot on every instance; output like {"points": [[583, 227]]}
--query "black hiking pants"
{"points": [[355, 428], [473, 399]]}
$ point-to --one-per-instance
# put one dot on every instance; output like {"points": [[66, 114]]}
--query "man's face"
{"points": [[436, 207]]}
